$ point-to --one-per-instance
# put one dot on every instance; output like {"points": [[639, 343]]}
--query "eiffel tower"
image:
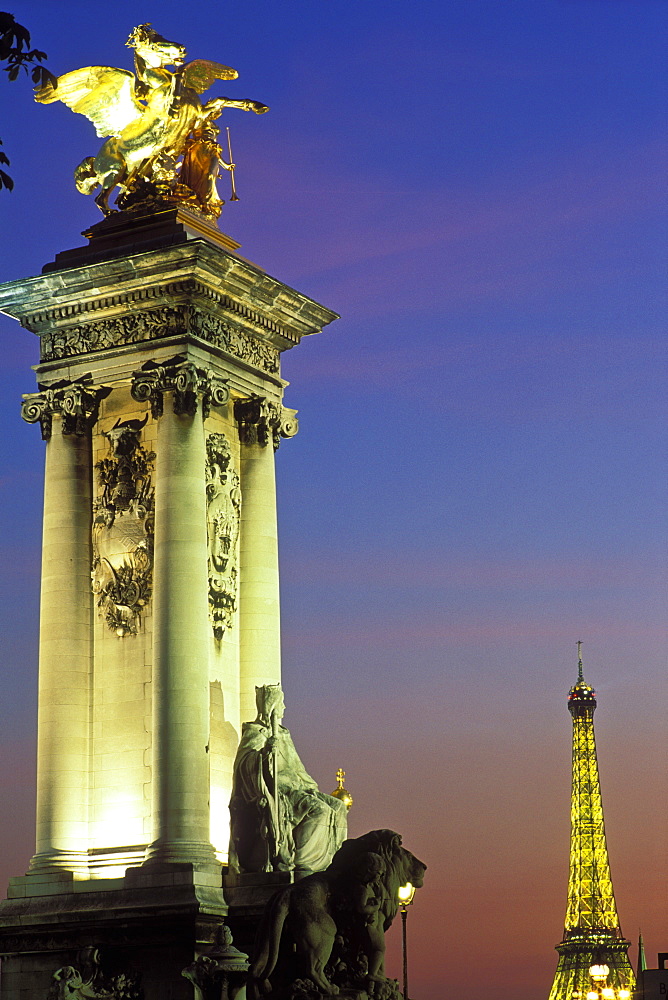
{"points": [[592, 935]]}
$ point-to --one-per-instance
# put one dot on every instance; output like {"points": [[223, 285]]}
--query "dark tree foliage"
{"points": [[16, 55]]}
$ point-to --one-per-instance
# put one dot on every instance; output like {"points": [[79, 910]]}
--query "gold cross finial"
{"points": [[341, 792]]}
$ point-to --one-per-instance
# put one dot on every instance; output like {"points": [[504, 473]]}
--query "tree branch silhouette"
{"points": [[16, 54]]}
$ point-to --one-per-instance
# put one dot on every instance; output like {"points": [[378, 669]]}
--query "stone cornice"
{"points": [[190, 290], [194, 273]]}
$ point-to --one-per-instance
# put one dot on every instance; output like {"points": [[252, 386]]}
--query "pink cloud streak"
{"points": [[415, 633], [405, 570], [361, 228]]}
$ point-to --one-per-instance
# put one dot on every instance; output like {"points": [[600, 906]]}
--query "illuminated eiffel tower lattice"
{"points": [[592, 935]]}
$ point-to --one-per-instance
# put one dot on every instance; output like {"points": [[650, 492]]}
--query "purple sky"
{"points": [[478, 188]]}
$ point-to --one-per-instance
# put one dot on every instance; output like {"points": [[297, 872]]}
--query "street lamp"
{"points": [[405, 894]]}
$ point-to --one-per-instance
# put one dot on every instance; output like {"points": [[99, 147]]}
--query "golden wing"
{"points": [[200, 74], [106, 96]]}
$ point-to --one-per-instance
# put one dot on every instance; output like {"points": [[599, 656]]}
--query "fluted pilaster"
{"points": [[65, 651], [261, 425], [179, 396]]}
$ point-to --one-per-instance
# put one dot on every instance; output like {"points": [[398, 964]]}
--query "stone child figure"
{"points": [[279, 819]]}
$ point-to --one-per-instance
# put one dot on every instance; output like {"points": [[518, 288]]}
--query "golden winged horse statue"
{"points": [[161, 139]]}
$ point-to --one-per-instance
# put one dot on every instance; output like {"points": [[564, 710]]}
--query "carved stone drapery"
{"points": [[223, 498], [261, 420], [188, 383], [76, 402], [156, 324], [279, 821], [123, 528]]}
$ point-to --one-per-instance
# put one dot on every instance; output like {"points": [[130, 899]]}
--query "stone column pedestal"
{"points": [[135, 673]]}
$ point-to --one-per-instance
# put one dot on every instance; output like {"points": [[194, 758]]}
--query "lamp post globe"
{"points": [[405, 895]]}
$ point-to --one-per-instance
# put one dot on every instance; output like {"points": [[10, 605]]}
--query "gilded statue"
{"points": [[161, 140]]}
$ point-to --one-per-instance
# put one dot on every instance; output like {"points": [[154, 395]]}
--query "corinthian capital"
{"points": [[39, 406], [149, 385], [76, 403], [261, 420], [189, 384]]}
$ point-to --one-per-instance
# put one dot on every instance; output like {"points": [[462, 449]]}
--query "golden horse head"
{"points": [[153, 48]]}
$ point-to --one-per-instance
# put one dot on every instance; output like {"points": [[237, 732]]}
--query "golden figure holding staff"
{"points": [[152, 118]]}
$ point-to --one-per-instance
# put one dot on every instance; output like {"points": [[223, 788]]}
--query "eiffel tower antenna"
{"points": [[592, 935]]}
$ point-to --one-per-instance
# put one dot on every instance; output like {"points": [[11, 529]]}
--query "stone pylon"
{"points": [[160, 402]]}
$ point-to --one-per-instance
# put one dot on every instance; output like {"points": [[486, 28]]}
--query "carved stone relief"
{"points": [[223, 497], [154, 324], [123, 516], [232, 339], [129, 328], [88, 982], [261, 420]]}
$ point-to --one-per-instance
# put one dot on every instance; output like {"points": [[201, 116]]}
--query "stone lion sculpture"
{"points": [[325, 932]]}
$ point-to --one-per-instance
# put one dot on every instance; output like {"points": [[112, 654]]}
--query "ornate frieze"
{"points": [[188, 383], [223, 499], [261, 420], [155, 324], [76, 402], [129, 328], [230, 338], [123, 516]]}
